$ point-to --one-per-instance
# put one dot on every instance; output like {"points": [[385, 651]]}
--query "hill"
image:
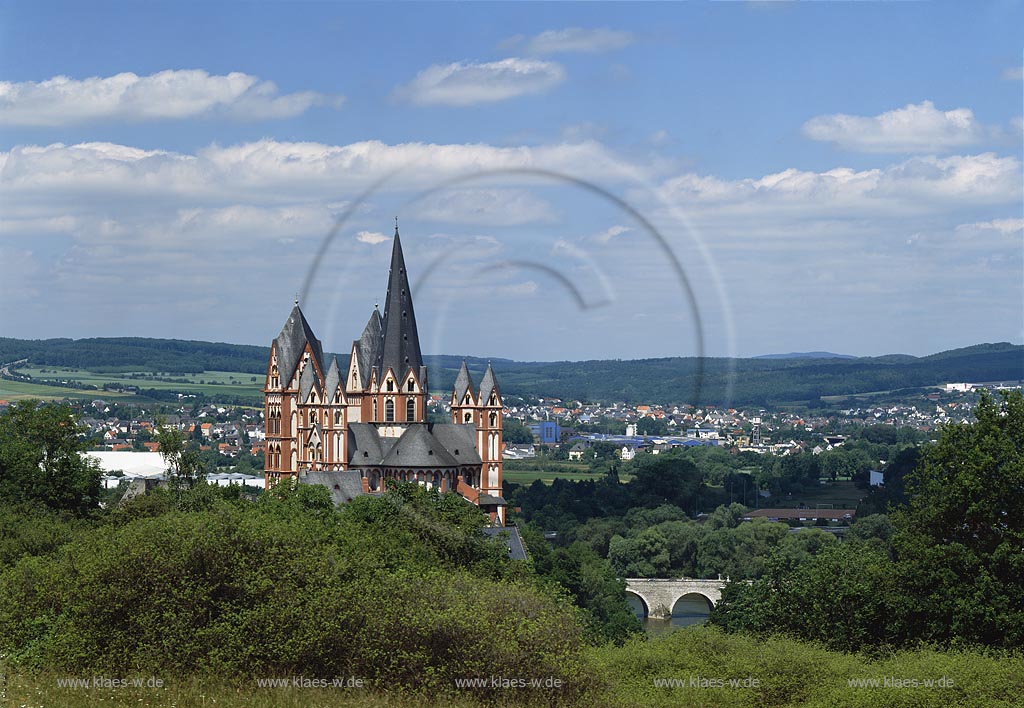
{"points": [[756, 381]]}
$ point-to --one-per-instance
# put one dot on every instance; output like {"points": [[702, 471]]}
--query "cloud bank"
{"points": [[172, 94], [471, 83], [913, 128]]}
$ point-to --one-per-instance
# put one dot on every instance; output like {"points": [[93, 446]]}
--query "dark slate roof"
{"points": [[421, 445], [416, 447], [368, 347], [400, 346], [463, 383], [332, 379], [487, 384], [349, 484], [307, 382], [294, 336], [366, 446], [510, 535], [458, 440]]}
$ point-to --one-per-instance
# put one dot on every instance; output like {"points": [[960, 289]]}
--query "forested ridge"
{"points": [[758, 381]]}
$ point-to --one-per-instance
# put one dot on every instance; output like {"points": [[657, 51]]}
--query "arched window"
{"points": [[375, 409], [337, 418], [391, 385], [494, 419], [469, 418], [389, 410], [411, 386], [410, 409]]}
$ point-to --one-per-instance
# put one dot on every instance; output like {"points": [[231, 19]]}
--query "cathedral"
{"points": [[352, 430]]}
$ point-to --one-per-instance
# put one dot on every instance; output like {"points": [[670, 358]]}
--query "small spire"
{"points": [[375, 305], [296, 299], [396, 226]]}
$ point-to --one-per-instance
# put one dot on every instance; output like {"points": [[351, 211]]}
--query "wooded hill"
{"points": [[760, 381]]}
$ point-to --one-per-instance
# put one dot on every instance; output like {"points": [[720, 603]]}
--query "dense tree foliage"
{"points": [[40, 461], [402, 589], [948, 567]]}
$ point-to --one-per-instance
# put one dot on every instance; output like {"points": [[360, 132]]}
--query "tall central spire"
{"points": [[400, 347]]}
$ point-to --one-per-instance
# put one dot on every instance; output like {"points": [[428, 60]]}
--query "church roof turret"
{"points": [[289, 345], [488, 385], [367, 347], [333, 378], [400, 344], [463, 383], [307, 382]]}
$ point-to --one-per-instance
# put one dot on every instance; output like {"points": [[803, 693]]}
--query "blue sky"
{"points": [[830, 176]]}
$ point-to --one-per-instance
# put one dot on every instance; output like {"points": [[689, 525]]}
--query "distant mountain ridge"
{"points": [[805, 355], [755, 381]]}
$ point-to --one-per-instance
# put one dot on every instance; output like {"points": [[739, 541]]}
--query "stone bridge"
{"points": [[659, 596]]}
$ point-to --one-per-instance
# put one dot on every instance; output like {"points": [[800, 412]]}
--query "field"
{"points": [[843, 495], [662, 671], [528, 471], [51, 382]]}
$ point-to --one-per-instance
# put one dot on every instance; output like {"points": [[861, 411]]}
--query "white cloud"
{"points": [[372, 237], [1005, 227], [918, 184], [610, 233], [1013, 73], [493, 207], [913, 128], [276, 170], [171, 94], [470, 83], [579, 39]]}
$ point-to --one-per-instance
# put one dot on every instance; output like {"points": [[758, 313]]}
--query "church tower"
{"points": [[483, 410], [398, 380], [489, 433], [355, 429]]}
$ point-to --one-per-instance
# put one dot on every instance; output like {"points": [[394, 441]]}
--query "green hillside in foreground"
{"points": [[759, 381]]}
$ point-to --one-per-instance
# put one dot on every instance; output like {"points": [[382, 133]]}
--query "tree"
{"points": [[513, 431], [665, 479], [41, 461], [184, 465], [960, 540]]}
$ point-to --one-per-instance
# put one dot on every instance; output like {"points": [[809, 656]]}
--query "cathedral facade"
{"points": [[353, 429]]}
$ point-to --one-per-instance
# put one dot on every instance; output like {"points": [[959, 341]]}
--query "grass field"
{"points": [[20, 390], [47, 383], [528, 471], [841, 494]]}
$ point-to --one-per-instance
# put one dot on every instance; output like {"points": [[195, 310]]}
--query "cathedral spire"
{"points": [[400, 345]]}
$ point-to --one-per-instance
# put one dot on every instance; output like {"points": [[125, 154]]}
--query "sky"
{"points": [[571, 180]]}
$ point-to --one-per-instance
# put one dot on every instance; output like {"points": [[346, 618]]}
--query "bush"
{"points": [[286, 587]]}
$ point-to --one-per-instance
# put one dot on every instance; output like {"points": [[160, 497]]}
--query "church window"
{"points": [[389, 410], [410, 409], [337, 418], [469, 418], [375, 409], [494, 419], [411, 385], [391, 385]]}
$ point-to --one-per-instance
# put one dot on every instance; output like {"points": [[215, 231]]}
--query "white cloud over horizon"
{"points": [[372, 237], [471, 83], [278, 170], [578, 39], [920, 184], [914, 128], [165, 95]]}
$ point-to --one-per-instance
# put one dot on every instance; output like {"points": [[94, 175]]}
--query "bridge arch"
{"points": [[659, 596], [644, 607]]}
